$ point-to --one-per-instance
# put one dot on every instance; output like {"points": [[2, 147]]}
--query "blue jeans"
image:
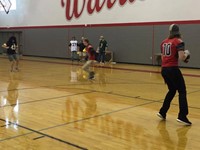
{"points": [[101, 57]]}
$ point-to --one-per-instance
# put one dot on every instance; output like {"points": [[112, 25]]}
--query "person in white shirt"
{"points": [[73, 47]]}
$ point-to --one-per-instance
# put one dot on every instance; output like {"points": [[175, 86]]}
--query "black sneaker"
{"points": [[91, 75], [163, 117], [16, 69], [184, 120]]}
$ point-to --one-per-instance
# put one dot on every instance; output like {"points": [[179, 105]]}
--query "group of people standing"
{"points": [[84, 51], [78, 53], [173, 50]]}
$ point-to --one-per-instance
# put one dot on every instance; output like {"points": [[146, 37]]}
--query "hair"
{"points": [[171, 36], [174, 31], [12, 39], [86, 40], [101, 37]]}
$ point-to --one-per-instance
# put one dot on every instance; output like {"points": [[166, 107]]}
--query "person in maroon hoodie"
{"points": [[91, 53]]}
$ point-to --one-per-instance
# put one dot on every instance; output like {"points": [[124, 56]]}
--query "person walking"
{"points": [[173, 49]]}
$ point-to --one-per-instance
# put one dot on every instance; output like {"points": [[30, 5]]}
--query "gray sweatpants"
{"points": [[87, 65]]}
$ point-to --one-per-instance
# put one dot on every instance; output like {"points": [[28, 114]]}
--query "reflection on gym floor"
{"points": [[59, 108]]}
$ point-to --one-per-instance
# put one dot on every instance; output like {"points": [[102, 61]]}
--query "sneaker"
{"points": [[184, 120], [91, 75], [163, 117], [11, 70], [17, 69]]}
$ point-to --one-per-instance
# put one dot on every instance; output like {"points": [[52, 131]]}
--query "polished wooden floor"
{"points": [[50, 105]]}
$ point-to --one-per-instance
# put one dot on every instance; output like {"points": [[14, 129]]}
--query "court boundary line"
{"points": [[87, 118], [111, 112], [89, 91], [83, 119], [40, 133], [115, 68]]}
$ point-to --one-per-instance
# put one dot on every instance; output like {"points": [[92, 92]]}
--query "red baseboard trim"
{"points": [[104, 25]]}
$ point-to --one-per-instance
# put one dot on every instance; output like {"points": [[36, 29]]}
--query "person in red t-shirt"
{"points": [[173, 50], [91, 53]]}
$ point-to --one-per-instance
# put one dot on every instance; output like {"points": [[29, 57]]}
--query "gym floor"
{"points": [[50, 104]]}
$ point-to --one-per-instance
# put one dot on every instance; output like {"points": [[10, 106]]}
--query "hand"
{"points": [[187, 56], [4, 45], [186, 52]]}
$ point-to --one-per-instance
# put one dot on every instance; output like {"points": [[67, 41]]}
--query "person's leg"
{"points": [[86, 66], [183, 105], [169, 80], [103, 57], [76, 56], [16, 58], [99, 57], [72, 56], [12, 61], [81, 56], [91, 74]]}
